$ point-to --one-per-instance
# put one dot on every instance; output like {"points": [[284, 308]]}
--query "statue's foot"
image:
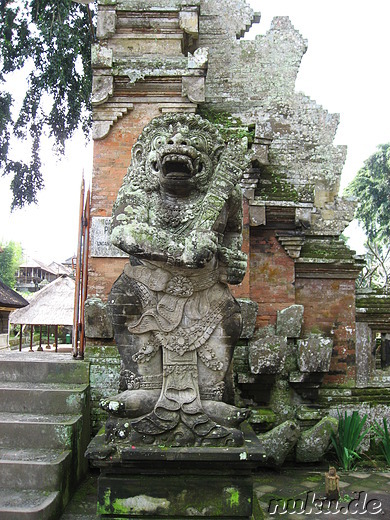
{"points": [[131, 403], [225, 414], [221, 436]]}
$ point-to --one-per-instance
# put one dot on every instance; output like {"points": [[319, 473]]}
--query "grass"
{"points": [[382, 433], [348, 439]]}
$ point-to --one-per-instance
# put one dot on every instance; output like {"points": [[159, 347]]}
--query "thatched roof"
{"points": [[60, 269], [52, 305], [10, 299]]}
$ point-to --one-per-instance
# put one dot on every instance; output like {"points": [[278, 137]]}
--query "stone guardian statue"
{"points": [[178, 215]]}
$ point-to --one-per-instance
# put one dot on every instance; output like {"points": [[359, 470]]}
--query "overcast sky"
{"points": [[346, 70]]}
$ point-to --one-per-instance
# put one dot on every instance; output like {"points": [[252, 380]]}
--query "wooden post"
{"points": [[21, 338], [86, 227], [75, 334], [48, 336], [31, 337], [40, 339], [56, 336]]}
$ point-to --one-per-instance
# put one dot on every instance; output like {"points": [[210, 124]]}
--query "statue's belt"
{"points": [[165, 314], [176, 284]]}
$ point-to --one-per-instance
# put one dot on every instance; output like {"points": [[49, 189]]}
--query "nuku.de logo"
{"points": [[313, 505]]}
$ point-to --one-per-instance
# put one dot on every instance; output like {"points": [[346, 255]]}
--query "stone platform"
{"points": [[159, 482]]}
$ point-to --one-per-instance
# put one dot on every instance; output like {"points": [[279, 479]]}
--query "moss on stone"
{"points": [[273, 185], [262, 415], [326, 250], [95, 351], [229, 127], [234, 497]]}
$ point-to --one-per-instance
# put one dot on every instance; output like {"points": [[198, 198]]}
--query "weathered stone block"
{"points": [[262, 416], [267, 355], [314, 442], [194, 88], [248, 314], [189, 21], [314, 353], [281, 401], [199, 59], [106, 23], [364, 358], [97, 322], [257, 215], [278, 442], [104, 379], [101, 56], [289, 321], [102, 88]]}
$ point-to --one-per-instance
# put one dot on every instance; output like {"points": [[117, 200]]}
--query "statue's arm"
{"points": [[132, 232], [229, 251]]}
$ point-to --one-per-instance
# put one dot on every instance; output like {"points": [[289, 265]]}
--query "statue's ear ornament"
{"points": [[137, 153]]}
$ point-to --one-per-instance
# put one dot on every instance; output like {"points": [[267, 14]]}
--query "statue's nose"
{"points": [[178, 139]]}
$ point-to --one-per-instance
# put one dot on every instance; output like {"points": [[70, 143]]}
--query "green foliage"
{"points": [[10, 259], [384, 437], [52, 40], [372, 188], [348, 438]]}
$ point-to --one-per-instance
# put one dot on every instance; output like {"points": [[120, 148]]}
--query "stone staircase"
{"points": [[44, 431]]}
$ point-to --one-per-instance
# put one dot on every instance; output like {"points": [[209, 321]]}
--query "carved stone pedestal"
{"points": [[175, 483]]}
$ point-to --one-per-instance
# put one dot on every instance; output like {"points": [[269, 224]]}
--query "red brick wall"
{"points": [[102, 273], [111, 158], [330, 307], [272, 275]]}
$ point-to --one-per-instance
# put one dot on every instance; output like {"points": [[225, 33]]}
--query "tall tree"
{"points": [[376, 272], [10, 259], [52, 40], [372, 188]]}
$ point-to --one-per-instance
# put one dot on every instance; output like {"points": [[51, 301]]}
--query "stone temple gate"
{"points": [[302, 354]]}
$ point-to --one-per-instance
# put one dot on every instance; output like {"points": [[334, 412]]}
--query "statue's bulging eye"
{"points": [[159, 141], [199, 143]]}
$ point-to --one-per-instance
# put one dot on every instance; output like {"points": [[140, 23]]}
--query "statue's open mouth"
{"points": [[177, 166]]}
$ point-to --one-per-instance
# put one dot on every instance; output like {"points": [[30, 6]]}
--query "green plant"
{"points": [[348, 438], [384, 437]]}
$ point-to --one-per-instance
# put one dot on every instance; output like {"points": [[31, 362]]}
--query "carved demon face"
{"points": [[178, 153]]}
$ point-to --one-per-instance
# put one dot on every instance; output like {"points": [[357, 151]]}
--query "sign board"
{"points": [[100, 243]]}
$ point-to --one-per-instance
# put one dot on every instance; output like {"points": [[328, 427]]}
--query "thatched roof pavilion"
{"points": [[51, 306]]}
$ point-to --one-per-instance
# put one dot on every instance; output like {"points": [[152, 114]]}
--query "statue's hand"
{"points": [[236, 263], [235, 158], [199, 248]]}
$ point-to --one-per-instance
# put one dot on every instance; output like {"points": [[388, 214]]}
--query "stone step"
{"points": [[43, 367], [35, 469], [43, 398], [29, 504], [38, 431]]}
